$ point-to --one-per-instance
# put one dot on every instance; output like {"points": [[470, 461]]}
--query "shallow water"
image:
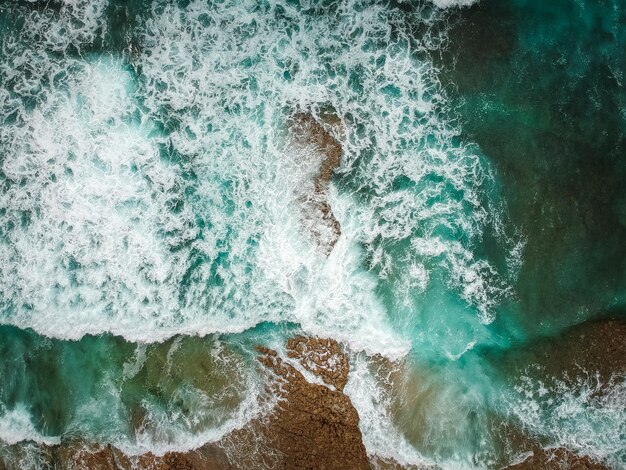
{"points": [[151, 231]]}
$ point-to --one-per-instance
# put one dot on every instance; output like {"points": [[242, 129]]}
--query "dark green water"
{"points": [[150, 233], [540, 88]]}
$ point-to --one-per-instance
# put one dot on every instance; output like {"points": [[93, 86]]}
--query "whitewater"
{"points": [[150, 215]]}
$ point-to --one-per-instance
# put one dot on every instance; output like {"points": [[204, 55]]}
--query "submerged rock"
{"points": [[312, 426], [595, 346], [557, 459], [591, 355], [594, 349], [314, 143]]}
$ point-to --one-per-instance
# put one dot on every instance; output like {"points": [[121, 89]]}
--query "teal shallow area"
{"points": [[105, 389], [150, 236]]}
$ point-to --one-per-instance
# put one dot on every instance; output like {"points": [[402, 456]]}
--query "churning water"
{"points": [[151, 229]]}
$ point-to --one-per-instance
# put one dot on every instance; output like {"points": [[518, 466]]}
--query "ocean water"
{"points": [[151, 231]]}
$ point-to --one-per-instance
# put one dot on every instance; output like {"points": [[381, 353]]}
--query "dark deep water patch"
{"points": [[540, 87]]}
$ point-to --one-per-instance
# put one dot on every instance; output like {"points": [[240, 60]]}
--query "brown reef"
{"points": [[314, 425], [594, 346], [308, 133], [557, 459], [592, 349]]}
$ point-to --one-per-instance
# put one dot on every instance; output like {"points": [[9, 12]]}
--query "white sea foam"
{"points": [[403, 407], [457, 356], [393, 114], [105, 214], [584, 415], [453, 3], [162, 204], [372, 401], [77, 24], [169, 431], [25, 456], [16, 426]]}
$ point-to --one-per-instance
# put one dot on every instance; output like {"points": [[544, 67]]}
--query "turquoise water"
{"points": [[151, 233]]}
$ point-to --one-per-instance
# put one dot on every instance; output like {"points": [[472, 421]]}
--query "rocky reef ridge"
{"points": [[315, 147], [314, 425]]}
